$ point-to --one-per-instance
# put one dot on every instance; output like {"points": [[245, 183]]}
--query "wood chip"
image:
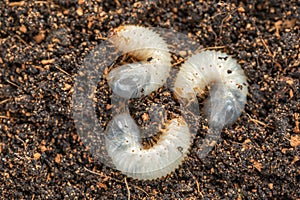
{"points": [[39, 37], [46, 62], [296, 129], [241, 9], [23, 28], [145, 117], [43, 148], [79, 11], [57, 158], [295, 140], [271, 185], [296, 158], [289, 81], [66, 87], [108, 106], [257, 165], [102, 185], [36, 156], [18, 3], [1, 147]]}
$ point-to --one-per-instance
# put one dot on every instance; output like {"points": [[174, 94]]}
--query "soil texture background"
{"points": [[42, 47]]}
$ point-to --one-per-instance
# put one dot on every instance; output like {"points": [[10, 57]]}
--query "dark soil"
{"points": [[42, 47]]}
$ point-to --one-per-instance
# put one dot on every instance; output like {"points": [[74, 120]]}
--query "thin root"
{"points": [[128, 189], [4, 101], [118, 181], [258, 122], [63, 71]]}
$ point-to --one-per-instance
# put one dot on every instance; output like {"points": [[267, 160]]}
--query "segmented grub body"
{"points": [[151, 72], [125, 148], [123, 142], [227, 81], [217, 70]]}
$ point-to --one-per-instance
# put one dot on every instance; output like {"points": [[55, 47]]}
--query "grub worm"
{"points": [[139, 78], [125, 148], [123, 142], [227, 95], [209, 68], [228, 84]]}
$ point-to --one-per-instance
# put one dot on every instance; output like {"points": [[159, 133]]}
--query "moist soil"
{"points": [[43, 45]]}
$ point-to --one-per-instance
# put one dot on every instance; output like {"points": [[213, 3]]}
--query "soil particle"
{"points": [[42, 47]]}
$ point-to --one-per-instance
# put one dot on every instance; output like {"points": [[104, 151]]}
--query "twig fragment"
{"points": [[128, 189]]}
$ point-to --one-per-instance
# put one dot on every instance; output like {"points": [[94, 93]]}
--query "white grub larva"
{"points": [[152, 69], [227, 81], [123, 144], [228, 90]]}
